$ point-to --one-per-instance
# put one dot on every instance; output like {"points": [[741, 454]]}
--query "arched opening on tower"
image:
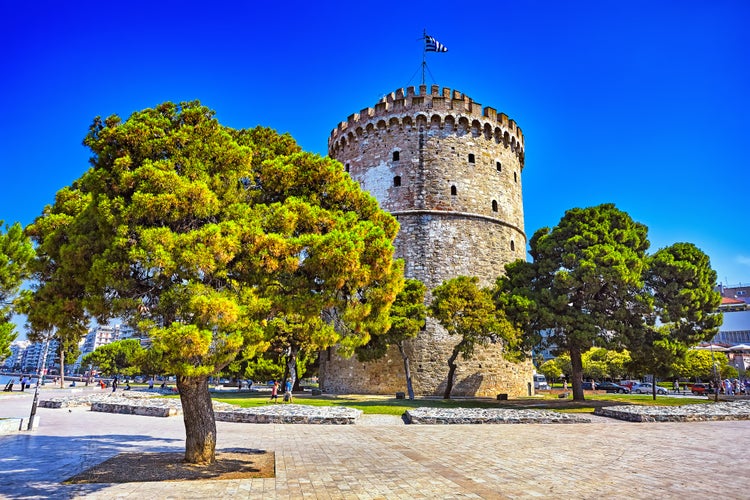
{"points": [[499, 166], [396, 155], [453, 191], [494, 205], [471, 158], [397, 181]]}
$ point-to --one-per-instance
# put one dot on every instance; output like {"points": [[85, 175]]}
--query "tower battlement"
{"points": [[439, 107]]}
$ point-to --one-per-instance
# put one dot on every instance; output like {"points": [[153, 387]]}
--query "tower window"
{"points": [[453, 191], [494, 205], [397, 181], [515, 177], [395, 155], [471, 157], [498, 166], [512, 245], [346, 167]]}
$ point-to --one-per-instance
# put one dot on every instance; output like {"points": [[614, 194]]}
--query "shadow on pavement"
{"points": [[34, 466]]}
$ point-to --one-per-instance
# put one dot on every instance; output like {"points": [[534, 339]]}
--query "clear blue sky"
{"points": [[644, 104]]}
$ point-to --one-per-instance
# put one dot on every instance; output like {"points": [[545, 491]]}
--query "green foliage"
{"points": [[16, 252], [591, 283], [468, 312], [551, 370], [263, 368], [122, 357], [407, 316], [217, 243], [600, 363]]}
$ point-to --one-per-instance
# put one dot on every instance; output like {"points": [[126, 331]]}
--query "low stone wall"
{"points": [[10, 425], [291, 414], [738, 410], [136, 409], [490, 416]]}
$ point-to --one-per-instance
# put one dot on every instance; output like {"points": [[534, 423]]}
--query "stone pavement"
{"points": [[383, 458]]}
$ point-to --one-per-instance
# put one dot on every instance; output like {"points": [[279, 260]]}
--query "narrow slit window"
{"points": [[346, 167], [494, 205], [395, 155], [512, 245], [515, 177], [453, 191], [397, 181], [499, 166], [471, 157]]}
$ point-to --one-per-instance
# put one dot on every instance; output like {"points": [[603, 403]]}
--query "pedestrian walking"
{"points": [[275, 392]]}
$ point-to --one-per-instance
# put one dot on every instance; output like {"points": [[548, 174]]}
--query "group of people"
{"points": [[25, 383], [287, 391], [734, 387]]}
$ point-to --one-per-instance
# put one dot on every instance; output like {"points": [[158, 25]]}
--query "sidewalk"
{"points": [[385, 459]]}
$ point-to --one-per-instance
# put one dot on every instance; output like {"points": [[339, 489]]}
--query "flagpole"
{"points": [[424, 53]]}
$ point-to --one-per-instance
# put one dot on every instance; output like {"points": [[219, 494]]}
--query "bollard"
{"points": [[400, 395], [502, 397]]}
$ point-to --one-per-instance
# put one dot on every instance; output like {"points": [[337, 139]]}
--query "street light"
{"points": [[40, 373]]}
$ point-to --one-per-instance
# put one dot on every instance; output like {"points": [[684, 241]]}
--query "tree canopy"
{"points": [[468, 312], [211, 240], [591, 283], [122, 357], [408, 314], [16, 253]]}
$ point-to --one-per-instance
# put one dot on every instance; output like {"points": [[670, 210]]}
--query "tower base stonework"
{"points": [[485, 374], [449, 170]]}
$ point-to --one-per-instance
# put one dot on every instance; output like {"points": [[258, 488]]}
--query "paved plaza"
{"points": [[380, 457]]}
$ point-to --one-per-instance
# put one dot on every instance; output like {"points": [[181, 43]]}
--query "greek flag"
{"points": [[432, 45]]}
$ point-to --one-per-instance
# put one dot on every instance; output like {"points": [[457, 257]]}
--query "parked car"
{"points": [[612, 387], [647, 388], [540, 382], [700, 389]]}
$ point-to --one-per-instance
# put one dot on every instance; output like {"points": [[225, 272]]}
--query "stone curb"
{"points": [[738, 410], [490, 416]]}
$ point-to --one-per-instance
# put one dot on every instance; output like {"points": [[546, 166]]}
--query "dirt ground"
{"points": [[148, 467]]}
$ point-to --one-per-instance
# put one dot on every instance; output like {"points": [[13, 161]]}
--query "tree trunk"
{"points": [[407, 370], [62, 369], [577, 373], [200, 425], [653, 386], [451, 371]]}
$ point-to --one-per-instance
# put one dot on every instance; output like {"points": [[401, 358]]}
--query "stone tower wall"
{"points": [[450, 172]]}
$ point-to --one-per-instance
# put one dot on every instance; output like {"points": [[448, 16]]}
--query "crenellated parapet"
{"points": [[440, 107]]}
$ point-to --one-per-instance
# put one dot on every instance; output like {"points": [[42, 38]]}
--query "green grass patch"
{"points": [[384, 405]]}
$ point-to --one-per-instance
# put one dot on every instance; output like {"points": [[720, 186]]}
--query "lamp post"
{"points": [[40, 373]]}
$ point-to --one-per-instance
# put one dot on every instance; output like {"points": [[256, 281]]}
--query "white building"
{"points": [[102, 335], [17, 349]]}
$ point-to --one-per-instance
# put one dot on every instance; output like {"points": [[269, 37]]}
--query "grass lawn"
{"points": [[385, 405]]}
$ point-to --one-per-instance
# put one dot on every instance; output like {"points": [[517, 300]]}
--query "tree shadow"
{"points": [[34, 466]]}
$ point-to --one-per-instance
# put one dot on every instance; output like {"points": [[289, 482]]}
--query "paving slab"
{"points": [[385, 459]]}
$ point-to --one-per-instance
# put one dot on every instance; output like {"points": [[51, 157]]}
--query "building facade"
{"points": [[449, 170]]}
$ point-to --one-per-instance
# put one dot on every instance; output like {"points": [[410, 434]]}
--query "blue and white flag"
{"points": [[432, 45]]}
